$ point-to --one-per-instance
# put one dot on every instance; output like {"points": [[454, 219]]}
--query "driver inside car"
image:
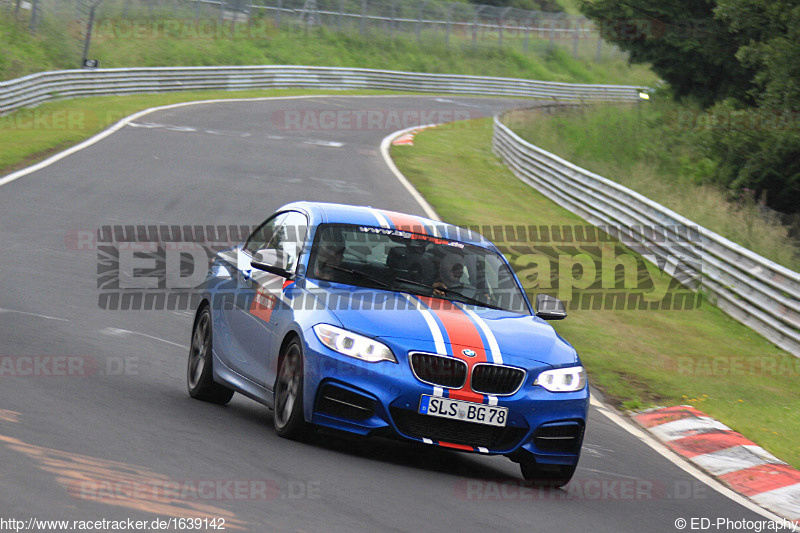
{"points": [[450, 278], [328, 258]]}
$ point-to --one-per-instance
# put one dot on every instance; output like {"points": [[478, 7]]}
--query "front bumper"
{"points": [[382, 399]]}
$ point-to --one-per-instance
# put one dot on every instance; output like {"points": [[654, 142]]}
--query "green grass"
{"points": [[656, 149], [167, 40], [637, 358]]}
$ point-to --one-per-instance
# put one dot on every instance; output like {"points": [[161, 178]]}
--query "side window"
{"points": [[260, 238], [284, 233], [289, 238]]}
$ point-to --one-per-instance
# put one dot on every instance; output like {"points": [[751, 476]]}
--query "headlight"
{"points": [[352, 344], [562, 379]]}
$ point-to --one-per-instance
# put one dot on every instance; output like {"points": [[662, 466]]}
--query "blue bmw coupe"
{"points": [[381, 323]]}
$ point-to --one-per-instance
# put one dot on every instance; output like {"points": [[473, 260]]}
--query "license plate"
{"points": [[478, 413]]}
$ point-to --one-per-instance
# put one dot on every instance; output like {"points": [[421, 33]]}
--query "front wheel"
{"points": [[289, 420], [199, 374], [553, 476]]}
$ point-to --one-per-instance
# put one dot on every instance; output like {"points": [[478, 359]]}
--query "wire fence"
{"points": [[446, 23]]}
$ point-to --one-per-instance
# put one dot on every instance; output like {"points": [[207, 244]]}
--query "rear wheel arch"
{"points": [[199, 372]]}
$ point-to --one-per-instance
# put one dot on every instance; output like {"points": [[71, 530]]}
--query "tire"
{"points": [[553, 476], [288, 418], [199, 373]]}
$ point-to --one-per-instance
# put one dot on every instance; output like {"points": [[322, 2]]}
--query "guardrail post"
{"points": [[363, 20], [575, 38], [528, 23], [450, 8], [392, 7], [475, 27], [420, 14], [89, 32], [500, 24]]}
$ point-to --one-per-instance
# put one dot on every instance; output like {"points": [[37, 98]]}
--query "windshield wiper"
{"points": [[466, 299], [364, 275]]}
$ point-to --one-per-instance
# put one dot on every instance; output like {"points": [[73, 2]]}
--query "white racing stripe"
{"points": [[433, 230], [382, 220], [438, 338], [494, 348]]}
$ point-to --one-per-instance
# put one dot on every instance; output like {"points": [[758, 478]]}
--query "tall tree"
{"points": [[769, 33], [740, 56], [683, 42]]}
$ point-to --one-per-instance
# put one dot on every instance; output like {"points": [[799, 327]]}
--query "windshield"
{"points": [[418, 264]]}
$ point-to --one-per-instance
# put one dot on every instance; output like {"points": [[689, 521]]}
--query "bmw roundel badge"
{"points": [[469, 353]]}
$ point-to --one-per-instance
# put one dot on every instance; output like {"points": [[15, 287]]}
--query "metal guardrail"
{"points": [[46, 86], [752, 289]]}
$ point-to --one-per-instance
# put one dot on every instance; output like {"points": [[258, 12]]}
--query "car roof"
{"points": [[331, 213]]}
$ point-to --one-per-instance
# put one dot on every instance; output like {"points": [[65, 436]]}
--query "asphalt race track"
{"points": [[116, 436]]}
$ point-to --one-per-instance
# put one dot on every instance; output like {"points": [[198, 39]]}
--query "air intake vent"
{"points": [[342, 403], [560, 437]]}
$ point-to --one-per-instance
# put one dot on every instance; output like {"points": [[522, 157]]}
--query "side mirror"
{"points": [[272, 261], [550, 308]]}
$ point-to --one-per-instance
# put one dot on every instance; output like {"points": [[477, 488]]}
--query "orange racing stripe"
{"points": [[463, 335], [405, 222]]}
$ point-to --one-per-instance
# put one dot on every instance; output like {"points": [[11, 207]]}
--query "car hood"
{"points": [[412, 321]]}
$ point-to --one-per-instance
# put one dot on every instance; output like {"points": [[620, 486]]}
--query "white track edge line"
{"points": [[385, 144], [127, 120]]}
